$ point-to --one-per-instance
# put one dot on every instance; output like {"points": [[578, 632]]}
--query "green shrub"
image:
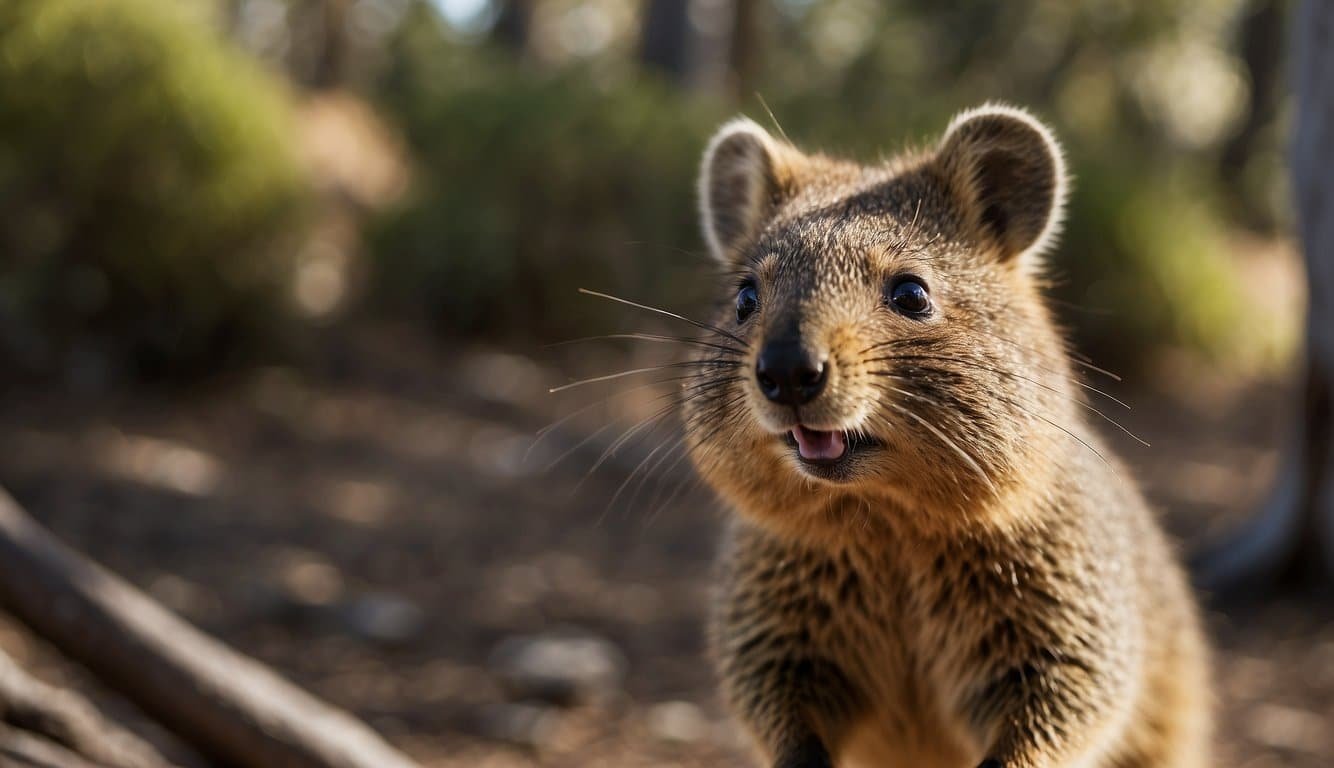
{"points": [[527, 188], [532, 183], [147, 177], [1144, 261]]}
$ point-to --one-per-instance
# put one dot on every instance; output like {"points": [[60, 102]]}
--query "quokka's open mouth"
{"points": [[818, 446], [827, 453]]}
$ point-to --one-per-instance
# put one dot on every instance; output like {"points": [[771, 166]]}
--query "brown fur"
{"points": [[976, 583]]}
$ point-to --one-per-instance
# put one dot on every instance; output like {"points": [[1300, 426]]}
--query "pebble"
{"points": [[524, 725], [677, 721], [563, 669], [383, 618], [1284, 727]]}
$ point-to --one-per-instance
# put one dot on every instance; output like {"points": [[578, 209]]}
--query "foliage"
{"points": [[532, 183], [148, 181], [147, 174], [1142, 95], [529, 188]]}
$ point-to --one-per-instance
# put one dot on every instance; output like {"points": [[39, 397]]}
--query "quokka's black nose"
{"points": [[789, 373]]}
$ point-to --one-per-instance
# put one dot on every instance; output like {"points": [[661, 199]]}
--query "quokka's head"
{"points": [[880, 329]]}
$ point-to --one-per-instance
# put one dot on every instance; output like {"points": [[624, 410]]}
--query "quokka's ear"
{"points": [[1006, 172], [744, 177]]}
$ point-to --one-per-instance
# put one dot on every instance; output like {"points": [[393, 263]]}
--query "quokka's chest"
{"points": [[912, 638]]}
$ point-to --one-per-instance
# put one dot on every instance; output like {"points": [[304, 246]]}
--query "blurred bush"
{"points": [[148, 183], [529, 187], [533, 180], [151, 198]]}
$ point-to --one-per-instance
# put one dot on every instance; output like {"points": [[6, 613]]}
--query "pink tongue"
{"points": [[814, 445]]}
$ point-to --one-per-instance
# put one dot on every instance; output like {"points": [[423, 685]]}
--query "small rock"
{"points": [[309, 580], [524, 725], [678, 721], [561, 669], [503, 378], [1284, 727], [383, 617]]}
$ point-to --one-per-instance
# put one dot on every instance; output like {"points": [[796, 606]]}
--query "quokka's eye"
{"points": [[747, 301], [909, 296]]}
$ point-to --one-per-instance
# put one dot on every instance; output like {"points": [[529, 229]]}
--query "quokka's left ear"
{"points": [[1005, 170]]}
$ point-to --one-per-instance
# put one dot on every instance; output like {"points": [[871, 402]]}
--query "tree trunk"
{"points": [[1262, 48], [23, 749], [1313, 177], [1262, 54], [664, 39], [330, 67], [745, 49], [514, 26], [1292, 540], [704, 45], [232, 709]]}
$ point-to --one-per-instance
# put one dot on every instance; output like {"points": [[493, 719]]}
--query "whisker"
{"points": [[677, 448], [1082, 442], [574, 448], [1096, 311], [967, 458], [630, 433], [721, 419], [628, 478], [562, 421], [1003, 372], [548, 429], [717, 412], [909, 232], [674, 248], [637, 371], [772, 118], [965, 361], [648, 337], [1075, 358], [945, 408], [1084, 362], [662, 476], [625, 437], [1035, 414], [688, 480], [683, 318], [592, 436]]}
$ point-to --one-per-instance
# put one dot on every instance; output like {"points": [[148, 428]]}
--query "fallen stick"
{"points": [[67, 719], [231, 708], [21, 749]]}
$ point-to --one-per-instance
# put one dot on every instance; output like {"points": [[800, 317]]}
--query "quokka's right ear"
{"points": [[745, 176], [1006, 171]]}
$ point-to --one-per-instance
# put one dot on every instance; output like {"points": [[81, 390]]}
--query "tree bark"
{"points": [[1262, 54], [710, 46], [664, 39], [1292, 540], [1313, 179], [330, 67], [514, 26], [231, 708], [744, 48]]}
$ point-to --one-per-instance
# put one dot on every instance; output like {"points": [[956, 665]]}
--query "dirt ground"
{"points": [[375, 528]]}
